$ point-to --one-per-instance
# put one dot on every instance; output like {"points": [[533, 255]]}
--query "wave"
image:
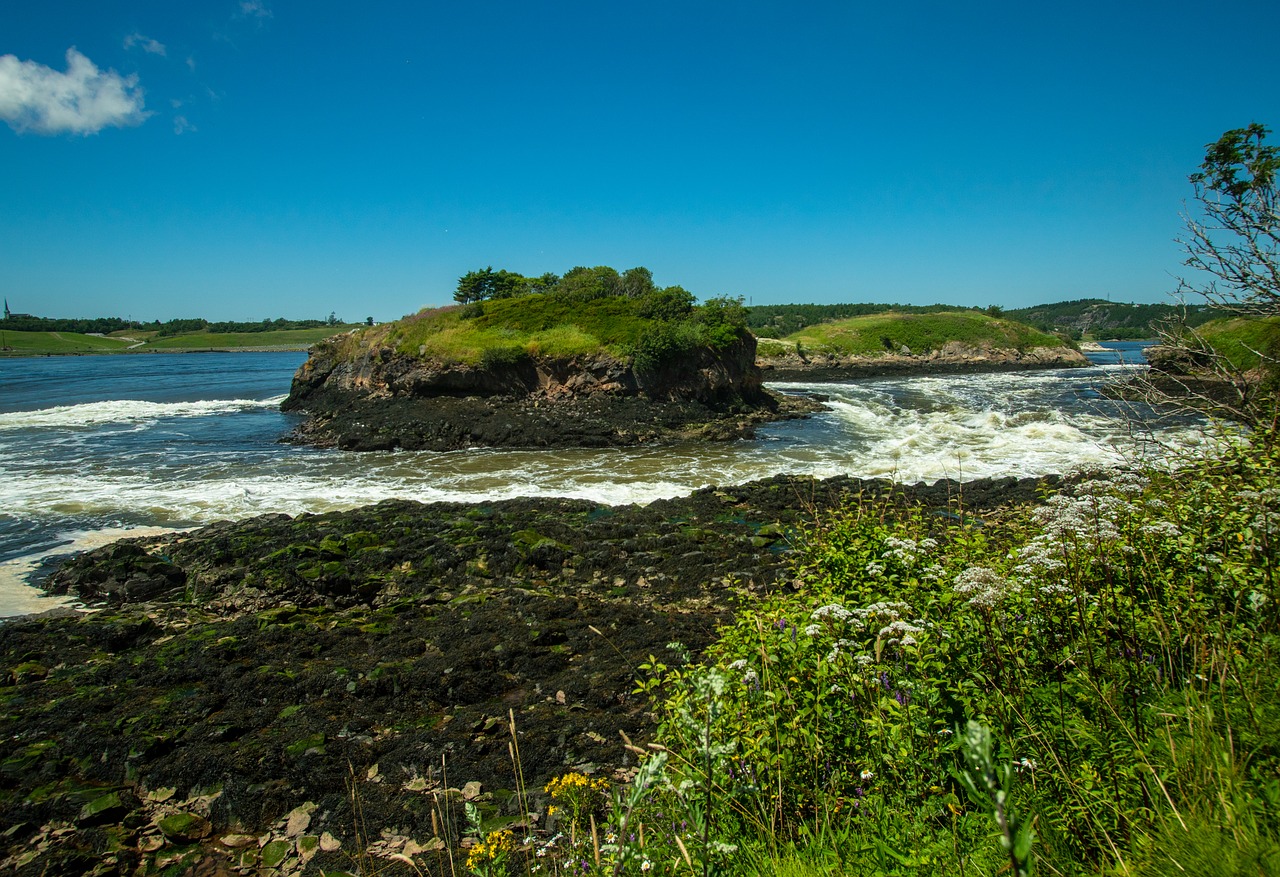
{"points": [[126, 411]]}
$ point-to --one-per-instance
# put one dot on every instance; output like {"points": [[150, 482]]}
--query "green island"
{"points": [[1066, 676], [595, 358], [899, 342]]}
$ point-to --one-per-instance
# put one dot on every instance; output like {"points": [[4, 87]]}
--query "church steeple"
{"points": [[6, 308]]}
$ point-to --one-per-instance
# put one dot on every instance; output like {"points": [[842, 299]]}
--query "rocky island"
{"points": [[584, 361], [900, 343]]}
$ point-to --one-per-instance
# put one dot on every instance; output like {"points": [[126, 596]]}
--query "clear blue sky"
{"points": [[244, 159]]}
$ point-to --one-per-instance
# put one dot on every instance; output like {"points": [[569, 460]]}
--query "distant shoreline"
{"points": [[276, 348]]}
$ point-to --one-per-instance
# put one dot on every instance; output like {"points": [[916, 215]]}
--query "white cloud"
{"points": [[153, 47], [254, 9], [182, 126], [83, 100]]}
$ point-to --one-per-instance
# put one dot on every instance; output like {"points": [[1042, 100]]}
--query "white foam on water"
{"points": [[19, 597], [126, 411]]}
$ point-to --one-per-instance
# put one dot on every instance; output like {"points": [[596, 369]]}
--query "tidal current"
{"points": [[96, 447]]}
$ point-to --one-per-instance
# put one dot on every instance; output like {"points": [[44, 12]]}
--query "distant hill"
{"points": [[1086, 317], [779, 321], [1101, 319], [918, 333]]}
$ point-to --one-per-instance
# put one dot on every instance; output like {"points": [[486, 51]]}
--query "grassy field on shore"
{"points": [[57, 343], [70, 343]]}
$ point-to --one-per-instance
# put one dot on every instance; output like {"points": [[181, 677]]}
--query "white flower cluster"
{"points": [[907, 552], [841, 646], [831, 610], [1162, 529], [886, 616], [1089, 518], [885, 610], [984, 586], [900, 632]]}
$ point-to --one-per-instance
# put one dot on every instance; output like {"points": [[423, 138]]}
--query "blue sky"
{"points": [[246, 159]]}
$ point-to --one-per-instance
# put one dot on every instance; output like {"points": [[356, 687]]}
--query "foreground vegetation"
{"points": [[1118, 643]]}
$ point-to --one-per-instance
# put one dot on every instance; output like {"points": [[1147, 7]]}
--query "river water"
{"points": [[94, 447]]}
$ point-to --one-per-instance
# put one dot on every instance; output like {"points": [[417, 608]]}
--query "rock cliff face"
{"points": [[375, 398], [953, 357]]}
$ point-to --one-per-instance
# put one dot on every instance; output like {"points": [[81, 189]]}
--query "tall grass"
{"points": [[1116, 645]]}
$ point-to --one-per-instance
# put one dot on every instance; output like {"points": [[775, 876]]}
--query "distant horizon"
{"points": [[344, 319], [221, 154]]}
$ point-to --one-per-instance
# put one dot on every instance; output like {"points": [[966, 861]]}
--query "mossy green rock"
{"points": [[184, 827], [275, 852], [99, 811]]}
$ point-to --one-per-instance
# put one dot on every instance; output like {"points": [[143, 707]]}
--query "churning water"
{"points": [[92, 447]]}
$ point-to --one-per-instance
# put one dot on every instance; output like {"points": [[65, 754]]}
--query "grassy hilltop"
{"points": [[875, 334]]}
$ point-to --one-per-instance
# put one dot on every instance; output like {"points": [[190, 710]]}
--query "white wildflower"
{"points": [[1162, 530], [984, 587], [831, 610]]}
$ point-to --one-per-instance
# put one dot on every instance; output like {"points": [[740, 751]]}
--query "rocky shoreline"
{"points": [[245, 687], [952, 358], [447, 423]]}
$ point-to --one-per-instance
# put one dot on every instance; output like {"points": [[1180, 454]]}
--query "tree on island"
{"points": [[578, 283]]}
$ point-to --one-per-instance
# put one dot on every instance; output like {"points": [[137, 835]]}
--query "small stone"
{"points": [[150, 843], [308, 846], [299, 820], [238, 841], [417, 784], [372, 773], [560, 698], [471, 791], [159, 796], [329, 843]]}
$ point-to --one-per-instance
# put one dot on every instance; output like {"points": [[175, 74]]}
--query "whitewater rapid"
{"points": [[78, 469]]}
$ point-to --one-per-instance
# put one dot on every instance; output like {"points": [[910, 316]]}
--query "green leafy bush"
{"points": [[1120, 639]]}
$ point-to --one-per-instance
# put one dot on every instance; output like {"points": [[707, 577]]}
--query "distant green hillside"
{"points": [[205, 340], [919, 332], [132, 341], [779, 321], [1096, 318], [40, 343]]}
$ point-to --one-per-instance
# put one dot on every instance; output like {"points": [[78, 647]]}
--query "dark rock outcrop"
{"points": [[375, 398]]}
